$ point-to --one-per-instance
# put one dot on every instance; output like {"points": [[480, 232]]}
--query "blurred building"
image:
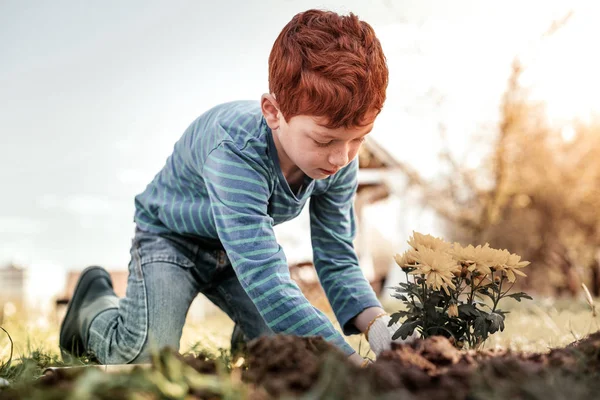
{"points": [[378, 170], [12, 288]]}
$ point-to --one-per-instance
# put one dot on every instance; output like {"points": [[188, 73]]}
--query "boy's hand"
{"points": [[379, 334]]}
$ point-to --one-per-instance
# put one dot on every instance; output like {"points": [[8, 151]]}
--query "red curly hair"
{"points": [[327, 65]]}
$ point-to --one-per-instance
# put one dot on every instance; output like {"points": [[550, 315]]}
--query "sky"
{"points": [[93, 95]]}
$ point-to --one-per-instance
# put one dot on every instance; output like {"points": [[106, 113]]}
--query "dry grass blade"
{"points": [[589, 299], [7, 364]]}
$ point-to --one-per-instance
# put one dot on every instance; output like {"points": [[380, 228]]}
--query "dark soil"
{"points": [[426, 369], [285, 363], [429, 369]]}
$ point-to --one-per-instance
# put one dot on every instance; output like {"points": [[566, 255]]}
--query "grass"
{"points": [[537, 326], [531, 326]]}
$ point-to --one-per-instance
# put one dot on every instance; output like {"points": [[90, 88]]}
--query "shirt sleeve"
{"points": [[333, 229], [239, 194]]}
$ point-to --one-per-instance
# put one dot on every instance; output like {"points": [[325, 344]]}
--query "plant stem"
{"points": [[481, 281], [470, 297], [508, 290], [460, 287], [496, 300], [424, 288], [412, 298]]}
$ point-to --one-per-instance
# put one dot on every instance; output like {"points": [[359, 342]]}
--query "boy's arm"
{"points": [[333, 229], [239, 194]]}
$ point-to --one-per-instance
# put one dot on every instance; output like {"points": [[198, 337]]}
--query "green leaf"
{"points": [[485, 292], [519, 296], [480, 327], [494, 287], [416, 291], [468, 310], [404, 288], [406, 330], [496, 322], [481, 305], [400, 297], [410, 289], [501, 312], [431, 312], [397, 315], [435, 298]]}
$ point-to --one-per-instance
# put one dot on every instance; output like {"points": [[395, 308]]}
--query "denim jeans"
{"points": [[166, 273]]}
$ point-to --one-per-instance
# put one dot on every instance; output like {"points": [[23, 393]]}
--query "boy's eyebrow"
{"points": [[326, 135], [321, 134]]}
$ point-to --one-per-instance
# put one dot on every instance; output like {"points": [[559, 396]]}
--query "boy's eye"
{"points": [[322, 144]]}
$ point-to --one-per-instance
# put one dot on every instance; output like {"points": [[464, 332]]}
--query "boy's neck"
{"points": [[295, 181], [292, 174]]}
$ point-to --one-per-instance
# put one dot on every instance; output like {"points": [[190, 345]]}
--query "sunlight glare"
{"points": [[563, 70]]}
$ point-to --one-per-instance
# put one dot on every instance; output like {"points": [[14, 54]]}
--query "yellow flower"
{"points": [[437, 267], [407, 258], [480, 258], [453, 310], [488, 258], [462, 254], [418, 239], [511, 266]]}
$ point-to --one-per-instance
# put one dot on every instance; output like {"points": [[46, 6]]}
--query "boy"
{"points": [[205, 223]]}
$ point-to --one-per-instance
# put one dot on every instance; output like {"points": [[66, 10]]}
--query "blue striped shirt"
{"points": [[223, 182]]}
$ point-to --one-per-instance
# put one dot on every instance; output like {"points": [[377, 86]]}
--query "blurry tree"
{"points": [[538, 195]]}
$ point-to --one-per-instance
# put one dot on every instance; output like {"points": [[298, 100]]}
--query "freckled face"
{"points": [[316, 150]]}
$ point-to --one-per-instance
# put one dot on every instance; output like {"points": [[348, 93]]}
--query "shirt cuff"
{"points": [[351, 310]]}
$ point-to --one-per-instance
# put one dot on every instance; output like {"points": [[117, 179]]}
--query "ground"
{"points": [[515, 364]]}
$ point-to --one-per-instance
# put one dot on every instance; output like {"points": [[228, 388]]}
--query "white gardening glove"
{"points": [[379, 334], [357, 360]]}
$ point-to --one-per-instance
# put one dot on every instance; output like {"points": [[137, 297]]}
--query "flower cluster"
{"points": [[448, 286]]}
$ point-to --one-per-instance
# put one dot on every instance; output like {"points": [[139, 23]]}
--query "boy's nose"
{"points": [[339, 158]]}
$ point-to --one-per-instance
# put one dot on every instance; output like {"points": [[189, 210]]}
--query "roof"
{"points": [[373, 155], [11, 267], [376, 164]]}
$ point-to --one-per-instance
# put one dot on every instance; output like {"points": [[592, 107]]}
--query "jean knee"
{"points": [[231, 297]]}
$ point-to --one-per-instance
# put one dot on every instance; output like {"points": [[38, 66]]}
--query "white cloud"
{"points": [[137, 177], [48, 201], [88, 205], [20, 225]]}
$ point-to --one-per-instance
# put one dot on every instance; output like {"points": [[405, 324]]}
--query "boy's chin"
{"points": [[319, 175], [314, 175]]}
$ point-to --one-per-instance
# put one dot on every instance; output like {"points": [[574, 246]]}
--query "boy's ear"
{"points": [[270, 110]]}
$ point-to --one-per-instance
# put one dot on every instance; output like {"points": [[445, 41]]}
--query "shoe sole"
{"points": [[71, 343]]}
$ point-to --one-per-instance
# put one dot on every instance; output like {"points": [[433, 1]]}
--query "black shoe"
{"points": [[93, 294], [238, 341]]}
